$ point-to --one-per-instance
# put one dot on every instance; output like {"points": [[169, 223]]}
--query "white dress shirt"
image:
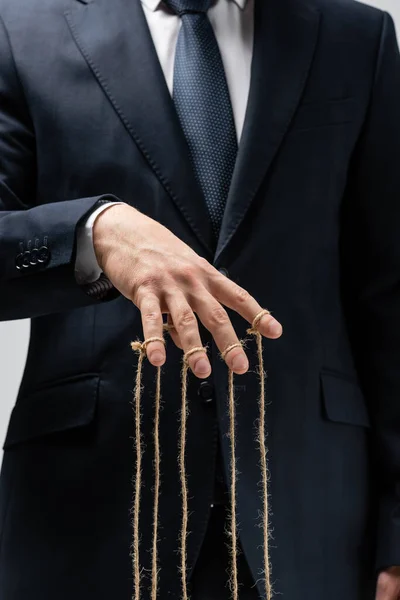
{"points": [[233, 25]]}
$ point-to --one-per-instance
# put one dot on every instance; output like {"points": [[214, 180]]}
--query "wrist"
{"points": [[104, 228]]}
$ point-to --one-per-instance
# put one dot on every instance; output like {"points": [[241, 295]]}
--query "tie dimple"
{"points": [[182, 7], [203, 105]]}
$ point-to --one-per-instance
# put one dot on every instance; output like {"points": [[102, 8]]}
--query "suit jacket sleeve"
{"points": [[87, 269], [371, 282], [37, 242]]}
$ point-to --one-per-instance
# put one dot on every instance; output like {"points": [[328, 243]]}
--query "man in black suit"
{"points": [[203, 158]]}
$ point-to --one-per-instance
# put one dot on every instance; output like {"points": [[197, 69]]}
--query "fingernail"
{"points": [[240, 362], [202, 367], [157, 356], [275, 328]]}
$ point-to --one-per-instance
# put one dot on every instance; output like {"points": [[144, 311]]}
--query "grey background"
{"points": [[14, 335]]}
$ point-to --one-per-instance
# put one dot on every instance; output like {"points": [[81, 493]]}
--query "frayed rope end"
{"points": [[141, 347]]}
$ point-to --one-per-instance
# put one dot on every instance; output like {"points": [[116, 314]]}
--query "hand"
{"points": [[388, 587], [160, 274]]}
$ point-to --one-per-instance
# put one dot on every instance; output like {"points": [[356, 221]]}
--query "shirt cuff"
{"points": [[87, 269]]}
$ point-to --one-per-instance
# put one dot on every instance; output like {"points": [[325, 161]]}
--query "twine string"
{"points": [[232, 531], [263, 453], [182, 470], [157, 485], [234, 583], [141, 348]]}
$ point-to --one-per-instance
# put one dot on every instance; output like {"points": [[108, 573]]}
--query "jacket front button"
{"points": [[224, 271], [206, 392]]}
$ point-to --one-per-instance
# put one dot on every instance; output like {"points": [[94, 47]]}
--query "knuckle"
{"points": [[187, 272], [186, 319], [146, 288], [203, 263], [218, 316], [152, 316], [190, 277], [150, 282], [242, 295]]}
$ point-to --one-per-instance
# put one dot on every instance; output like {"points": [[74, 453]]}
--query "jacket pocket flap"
{"points": [[65, 405], [343, 400]]}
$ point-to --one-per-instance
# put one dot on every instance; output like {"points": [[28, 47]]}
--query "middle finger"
{"points": [[187, 329], [215, 318]]}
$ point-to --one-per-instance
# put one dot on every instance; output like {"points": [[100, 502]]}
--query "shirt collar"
{"points": [[153, 5]]}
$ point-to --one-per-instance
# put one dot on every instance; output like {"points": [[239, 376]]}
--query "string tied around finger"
{"points": [[263, 451], [229, 348], [232, 531], [253, 330], [141, 349], [182, 468], [184, 413]]}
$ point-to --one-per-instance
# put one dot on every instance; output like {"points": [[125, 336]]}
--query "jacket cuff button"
{"points": [[34, 257], [18, 261], [26, 259], [43, 255]]}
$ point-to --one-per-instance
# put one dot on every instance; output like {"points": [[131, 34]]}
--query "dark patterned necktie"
{"points": [[203, 104]]}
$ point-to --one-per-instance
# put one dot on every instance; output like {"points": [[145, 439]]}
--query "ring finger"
{"points": [[172, 332], [215, 318], [187, 328]]}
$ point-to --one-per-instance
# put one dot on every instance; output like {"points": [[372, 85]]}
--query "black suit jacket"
{"points": [[311, 229]]}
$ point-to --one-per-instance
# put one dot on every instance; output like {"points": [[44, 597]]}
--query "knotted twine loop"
{"points": [[141, 349], [263, 453]]}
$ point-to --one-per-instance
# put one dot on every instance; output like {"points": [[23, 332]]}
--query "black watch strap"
{"points": [[102, 289]]}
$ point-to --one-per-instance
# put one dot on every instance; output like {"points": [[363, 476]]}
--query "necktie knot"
{"points": [[183, 7]]}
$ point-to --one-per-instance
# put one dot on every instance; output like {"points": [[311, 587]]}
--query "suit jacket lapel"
{"points": [[285, 38], [115, 41]]}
